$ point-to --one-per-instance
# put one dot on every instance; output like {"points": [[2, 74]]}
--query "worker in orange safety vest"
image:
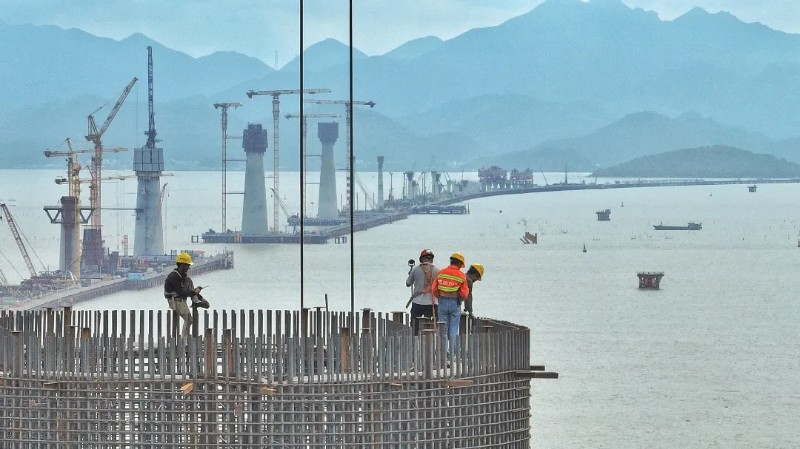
{"points": [[450, 289]]}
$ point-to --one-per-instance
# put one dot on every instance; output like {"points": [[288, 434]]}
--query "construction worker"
{"points": [[474, 274], [178, 287], [421, 277], [450, 289]]}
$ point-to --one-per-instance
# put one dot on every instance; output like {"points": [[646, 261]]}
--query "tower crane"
{"points": [[13, 225], [224, 107], [349, 117], [95, 135], [276, 113], [304, 132]]}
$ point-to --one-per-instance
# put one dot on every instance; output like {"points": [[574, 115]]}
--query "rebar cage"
{"points": [[259, 379]]}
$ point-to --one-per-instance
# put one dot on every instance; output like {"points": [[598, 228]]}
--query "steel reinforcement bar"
{"points": [[259, 379]]}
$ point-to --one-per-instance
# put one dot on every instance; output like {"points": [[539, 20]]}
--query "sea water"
{"points": [[709, 360]]}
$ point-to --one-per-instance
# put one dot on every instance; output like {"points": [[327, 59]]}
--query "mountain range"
{"points": [[585, 85]]}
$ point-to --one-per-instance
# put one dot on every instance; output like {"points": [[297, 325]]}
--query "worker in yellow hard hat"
{"points": [[450, 289], [178, 288], [474, 274]]}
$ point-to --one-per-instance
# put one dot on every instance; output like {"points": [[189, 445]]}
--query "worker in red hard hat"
{"points": [[421, 278], [450, 289]]}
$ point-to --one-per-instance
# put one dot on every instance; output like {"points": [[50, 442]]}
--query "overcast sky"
{"points": [[261, 28]]}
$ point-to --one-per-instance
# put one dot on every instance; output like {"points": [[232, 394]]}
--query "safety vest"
{"points": [[449, 281]]}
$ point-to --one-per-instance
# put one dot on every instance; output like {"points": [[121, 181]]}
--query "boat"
{"points": [[688, 227]]}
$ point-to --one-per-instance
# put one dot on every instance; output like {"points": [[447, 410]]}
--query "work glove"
{"points": [[199, 301]]}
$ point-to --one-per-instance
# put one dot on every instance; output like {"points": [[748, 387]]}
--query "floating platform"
{"points": [[604, 215], [313, 221], [454, 209], [650, 280], [688, 227], [238, 237]]}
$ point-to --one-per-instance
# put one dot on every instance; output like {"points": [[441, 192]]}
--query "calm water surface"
{"points": [[710, 360]]}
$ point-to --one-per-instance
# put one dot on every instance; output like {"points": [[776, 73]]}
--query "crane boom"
{"points": [[13, 225], [94, 134]]}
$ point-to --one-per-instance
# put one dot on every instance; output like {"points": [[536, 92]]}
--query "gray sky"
{"points": [[261, 27]]}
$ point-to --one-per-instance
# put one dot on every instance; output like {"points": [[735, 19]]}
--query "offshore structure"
{"points": [[349, 122], [327, 133], [69, 214], [266, 379], [254, 209], [276, 113], [148, 163]]}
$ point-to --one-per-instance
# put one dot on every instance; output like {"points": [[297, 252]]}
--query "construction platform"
{"points": [[363, 221], [238, 237], [454, 209], [254, 379], [133, 281]]}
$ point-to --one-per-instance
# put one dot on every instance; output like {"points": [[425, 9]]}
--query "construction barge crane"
{"points": [[276, 114], [93, 238]]}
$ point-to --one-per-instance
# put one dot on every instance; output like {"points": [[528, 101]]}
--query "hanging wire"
{"points": [[302, 169], [350, 166]]}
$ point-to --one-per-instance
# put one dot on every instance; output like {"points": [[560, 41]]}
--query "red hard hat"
{"points": [[426, 252]]}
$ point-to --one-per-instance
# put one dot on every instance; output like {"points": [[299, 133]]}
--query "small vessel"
{"points": [[752, 188], [604, 215], [689, 227], [584, 247]]}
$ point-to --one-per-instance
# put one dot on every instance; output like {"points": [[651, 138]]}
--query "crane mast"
{"points": [[95, 244], [151, 129], [276, 113], [148, 163], [224, 107]]}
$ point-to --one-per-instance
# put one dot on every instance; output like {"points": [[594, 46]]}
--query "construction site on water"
{"points": [[86, 268], [423, 193]]}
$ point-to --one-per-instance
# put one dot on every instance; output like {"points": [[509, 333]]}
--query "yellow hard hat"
{"points": [[459, 257], [478, 268], [184, 258]]}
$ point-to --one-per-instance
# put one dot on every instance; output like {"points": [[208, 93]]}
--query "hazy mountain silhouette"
{"points": [[568, 80], [705, 162], [415, 48], [643, 133]]}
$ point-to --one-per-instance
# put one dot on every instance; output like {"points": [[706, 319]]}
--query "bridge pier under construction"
{"points": [[255, 379]]}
